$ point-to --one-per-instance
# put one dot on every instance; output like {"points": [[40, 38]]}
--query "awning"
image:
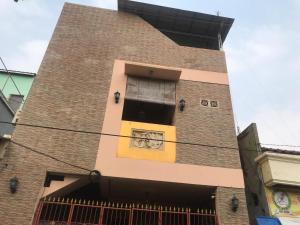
{"points": [[289, 221], [263, 220]]}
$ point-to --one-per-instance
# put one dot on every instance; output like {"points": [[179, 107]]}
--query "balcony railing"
{"points": [[77, 212]]}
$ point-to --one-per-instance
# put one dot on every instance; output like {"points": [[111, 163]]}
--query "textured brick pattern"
{"points": [[208, 126], [71, 89], [223, 205]]}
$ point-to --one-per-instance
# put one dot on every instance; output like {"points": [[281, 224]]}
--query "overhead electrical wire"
{"points": [[105, 134], [127, 136], [117, 135]]}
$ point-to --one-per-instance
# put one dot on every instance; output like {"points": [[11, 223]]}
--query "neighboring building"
{"points": [[272, 179], [6, 115], [11, 100], [153, 80], [15, 86]]}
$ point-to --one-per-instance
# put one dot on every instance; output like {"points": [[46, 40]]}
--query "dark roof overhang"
{"points": [[186, 28]]}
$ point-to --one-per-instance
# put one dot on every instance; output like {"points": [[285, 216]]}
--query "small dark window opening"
{"points": [[214, 104], [255, 199], [149, 100], [148, 112], [15, 101]]}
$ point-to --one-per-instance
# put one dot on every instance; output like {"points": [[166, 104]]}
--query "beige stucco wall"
{"points": [[280, 168]]}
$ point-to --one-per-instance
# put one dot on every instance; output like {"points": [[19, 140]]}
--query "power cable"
{"points": [[118, 135], [51, 157], [92, 172], [127, 136]]}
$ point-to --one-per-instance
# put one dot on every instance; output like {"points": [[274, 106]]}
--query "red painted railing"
{"points": [[77, 212]]}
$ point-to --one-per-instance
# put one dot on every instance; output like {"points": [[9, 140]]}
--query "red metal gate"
{"points": [[74, 212]]}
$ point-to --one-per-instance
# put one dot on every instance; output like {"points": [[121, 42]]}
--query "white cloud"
{"points": [[28, 8], [109, 4], [279, 127], [258, 48], [29, 56], [264, 67]]}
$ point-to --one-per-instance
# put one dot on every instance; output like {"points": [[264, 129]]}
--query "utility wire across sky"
{"points": [[116, 135]]}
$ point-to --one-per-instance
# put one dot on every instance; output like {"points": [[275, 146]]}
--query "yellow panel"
{"points": [[293, 203], [167, 153]]}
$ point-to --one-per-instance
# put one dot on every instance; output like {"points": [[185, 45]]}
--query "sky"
{"points": [[262, 50]]}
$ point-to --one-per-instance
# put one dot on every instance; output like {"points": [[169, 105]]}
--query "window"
{"points": [[15, 101]]}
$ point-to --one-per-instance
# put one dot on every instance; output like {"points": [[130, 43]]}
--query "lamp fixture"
{"points": [[181, 104], [13, 184], [117, 96], [234, 203]]}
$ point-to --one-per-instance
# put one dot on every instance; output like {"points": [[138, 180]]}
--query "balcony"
{"points": [[279, 169], [119, 201], [76, 212], [147, 142]]}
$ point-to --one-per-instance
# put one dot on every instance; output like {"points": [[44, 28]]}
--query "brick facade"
{"points": [[211, 126], [71, 90], [226, 215]]}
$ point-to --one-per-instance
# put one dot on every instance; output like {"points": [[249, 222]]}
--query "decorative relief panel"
{"points": [[153, 140]]}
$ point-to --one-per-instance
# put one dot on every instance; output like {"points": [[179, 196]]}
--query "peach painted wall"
{"points": [[172, 73], [204, 76], [109, 165]]}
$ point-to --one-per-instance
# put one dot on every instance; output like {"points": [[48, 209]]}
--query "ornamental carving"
{"points": [[147, 139]]}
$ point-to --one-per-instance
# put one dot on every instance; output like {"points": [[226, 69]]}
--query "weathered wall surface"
{"points": [[255, 192]]}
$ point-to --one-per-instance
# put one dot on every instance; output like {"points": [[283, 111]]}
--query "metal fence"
{"points": [[76, 212]]}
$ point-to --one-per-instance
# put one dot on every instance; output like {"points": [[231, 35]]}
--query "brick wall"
{"points": [[223, 205], [71, 89], [205, 125]]}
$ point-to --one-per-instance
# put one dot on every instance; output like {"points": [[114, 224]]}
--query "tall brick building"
{"points": [[153, 81]]}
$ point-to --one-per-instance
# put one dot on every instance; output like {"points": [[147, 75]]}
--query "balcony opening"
{"points": [[130, 202], [148, 112], [149, 100]]}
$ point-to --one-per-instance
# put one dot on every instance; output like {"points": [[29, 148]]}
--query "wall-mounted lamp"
{"points": [[234, 203], [181, 104], [13, 184], [117, 96], [94, 176]]}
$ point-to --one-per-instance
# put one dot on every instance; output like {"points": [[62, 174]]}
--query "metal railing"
{"points": [[58, 211]]}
